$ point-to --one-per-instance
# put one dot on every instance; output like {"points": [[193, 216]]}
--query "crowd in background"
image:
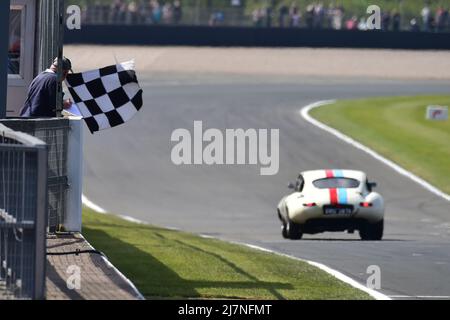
{"points": [[135, 12], [317, 16], [314, 16]]}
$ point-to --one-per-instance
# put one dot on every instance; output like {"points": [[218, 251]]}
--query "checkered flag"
{"points": [[106, 97]]}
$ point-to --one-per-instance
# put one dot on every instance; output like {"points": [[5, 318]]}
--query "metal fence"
{"points": [[102, 14], [313, 15], [54, 132], [23, 215]]}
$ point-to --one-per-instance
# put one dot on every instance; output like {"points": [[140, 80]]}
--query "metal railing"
{"points": [[310, 15], [54, 132], [23, 215], [98, 14]]}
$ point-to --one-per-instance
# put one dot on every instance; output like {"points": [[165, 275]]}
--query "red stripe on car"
{"points": [[333, 196], [329, 173]]}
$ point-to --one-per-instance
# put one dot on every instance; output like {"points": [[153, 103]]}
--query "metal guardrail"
{"points": [[23, 215], [54, 132]]}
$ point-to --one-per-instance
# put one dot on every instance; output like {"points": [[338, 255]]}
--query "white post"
{"points": [[72, 222]]}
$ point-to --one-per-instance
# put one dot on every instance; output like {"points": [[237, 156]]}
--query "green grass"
{"points": [[171, 264], [397, 128]]}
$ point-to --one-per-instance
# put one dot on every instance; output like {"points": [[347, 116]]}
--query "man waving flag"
{"points": [[106, 97]]}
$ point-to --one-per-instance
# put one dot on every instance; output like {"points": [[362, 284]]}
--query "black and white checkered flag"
{"points": [[106, 97]]}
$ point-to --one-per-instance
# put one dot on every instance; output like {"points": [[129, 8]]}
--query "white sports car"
{"points": [[332, 200]]}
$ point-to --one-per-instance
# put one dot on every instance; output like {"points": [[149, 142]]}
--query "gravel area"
{"points": [[336, 63]]}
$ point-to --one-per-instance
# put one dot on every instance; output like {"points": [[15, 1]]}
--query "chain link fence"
{"points": [[54, 132], [266, 13], [23, 215]]}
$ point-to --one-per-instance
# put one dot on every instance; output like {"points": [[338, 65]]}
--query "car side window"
{"points": [[368, 186], [300, 183]]}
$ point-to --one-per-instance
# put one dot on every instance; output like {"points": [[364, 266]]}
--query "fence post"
{"points": [[72, 221], [41, 223], [4, 39]]}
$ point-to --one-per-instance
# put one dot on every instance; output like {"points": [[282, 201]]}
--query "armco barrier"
{"points": [[253, 37]]}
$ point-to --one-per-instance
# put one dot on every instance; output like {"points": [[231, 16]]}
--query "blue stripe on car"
{"points": [[342, 193], [342, 196], [338, 173]]}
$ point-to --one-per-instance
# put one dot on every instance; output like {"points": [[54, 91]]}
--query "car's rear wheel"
{"points": [[284, 231], [293, 230], [372, 231]]}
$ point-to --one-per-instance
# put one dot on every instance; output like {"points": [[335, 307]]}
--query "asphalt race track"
{"points": [[128, 170]]}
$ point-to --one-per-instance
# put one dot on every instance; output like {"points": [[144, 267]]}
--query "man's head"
{"points": [[66, 66]]}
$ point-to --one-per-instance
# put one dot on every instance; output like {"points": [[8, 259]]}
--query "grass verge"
{"points": [[164, 263], [396, 128]]}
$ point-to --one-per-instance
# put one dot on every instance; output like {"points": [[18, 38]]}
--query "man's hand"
{"points": [[67, 103]]}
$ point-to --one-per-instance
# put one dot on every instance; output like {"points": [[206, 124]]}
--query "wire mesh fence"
{"points": [[341, 15], [54, 132], [23, 215]]}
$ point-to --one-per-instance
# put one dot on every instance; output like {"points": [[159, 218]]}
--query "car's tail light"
{"points": [[311, 204], [365, 204]]}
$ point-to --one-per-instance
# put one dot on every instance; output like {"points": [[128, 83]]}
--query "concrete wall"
{"points": [[249, 37]]}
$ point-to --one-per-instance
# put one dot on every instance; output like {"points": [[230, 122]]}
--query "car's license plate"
{"points": [[335, 210]]}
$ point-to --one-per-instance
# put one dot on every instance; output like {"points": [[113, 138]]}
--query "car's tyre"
{"points": [[372, 231], [284, 231], [293, 231]]}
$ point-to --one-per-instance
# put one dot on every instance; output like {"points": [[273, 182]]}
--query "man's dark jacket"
{"points": [[41, 99]]}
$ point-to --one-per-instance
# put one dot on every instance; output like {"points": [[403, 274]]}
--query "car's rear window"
{"points": [[328, 183]]}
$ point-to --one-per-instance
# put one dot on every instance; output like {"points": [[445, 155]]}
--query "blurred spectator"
{"points": [[431, 24], [294, 16], [352, 23], [385, 21], [309, 16], [143, 8], [441, 19], [338, 16], [283, 16], [115, 11], [132, 12], [268, 16], [177, 13], [217, 18], [319, 15], [258, 17], [396, 21], [156, 12], [426, 17], [413, 25], [362, 25], [167, 13]]}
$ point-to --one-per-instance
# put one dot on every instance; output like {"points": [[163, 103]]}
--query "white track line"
{"points": [[305, 114], [419, 297], [88, 203], [340, 276]]}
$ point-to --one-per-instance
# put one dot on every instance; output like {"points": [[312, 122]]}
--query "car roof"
{"points": [[324, 173]]}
